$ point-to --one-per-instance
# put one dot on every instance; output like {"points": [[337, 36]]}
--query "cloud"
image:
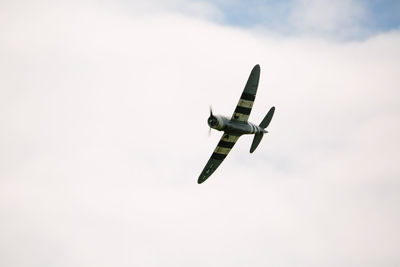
{"points": [[103, 134], [338, 20], [328, 17]]}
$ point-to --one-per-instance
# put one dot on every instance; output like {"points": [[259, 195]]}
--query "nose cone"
{"points": [[212, 121]]}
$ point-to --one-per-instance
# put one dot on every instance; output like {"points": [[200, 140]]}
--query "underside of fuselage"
{"points": [[235, 127]]}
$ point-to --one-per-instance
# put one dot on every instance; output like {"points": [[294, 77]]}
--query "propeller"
{"points": [[209, 127], [265, 122]]}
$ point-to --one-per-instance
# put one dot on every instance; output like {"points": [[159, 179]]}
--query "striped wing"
{"points": [[225, 145], [246, 100]]}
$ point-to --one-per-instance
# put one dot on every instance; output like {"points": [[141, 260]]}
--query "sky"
{"points": [[372, 15], [103, 133]]}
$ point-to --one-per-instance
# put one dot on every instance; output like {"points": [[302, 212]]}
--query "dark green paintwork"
{"points": [[236, 126], [209, 169], [256, 141], [267, 119], [252, 82], [215, 160]]}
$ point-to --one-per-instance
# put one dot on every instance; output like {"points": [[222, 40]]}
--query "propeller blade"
{"points": [[211, 116], [267, 119]]}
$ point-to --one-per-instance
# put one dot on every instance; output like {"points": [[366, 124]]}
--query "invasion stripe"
{"points": [[222, 150], [218, 156], [243, 110], [226, 144], [230, 138], [245, 103], [247, 96]]}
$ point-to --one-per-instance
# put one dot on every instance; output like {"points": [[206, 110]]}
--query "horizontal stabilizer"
{"points": [[256, 141], [267, 119]]}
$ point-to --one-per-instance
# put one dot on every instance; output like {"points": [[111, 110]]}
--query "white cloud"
{"points": [[339, 18], [103, 134]]}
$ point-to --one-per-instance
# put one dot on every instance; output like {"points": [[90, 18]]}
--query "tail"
{"points": [[267, 119], [264, 124]]}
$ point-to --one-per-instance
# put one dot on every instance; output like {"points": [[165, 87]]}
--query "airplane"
{"points": [[236, 126]]}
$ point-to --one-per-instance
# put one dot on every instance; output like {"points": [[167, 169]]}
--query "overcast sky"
{"points": [[103, 133]]}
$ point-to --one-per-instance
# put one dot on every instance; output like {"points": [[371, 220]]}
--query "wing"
{"points": [[225, 145], [246, 100]]}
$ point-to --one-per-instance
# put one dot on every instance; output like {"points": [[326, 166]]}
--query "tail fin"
{"points": [[256, 141], [264, 124], [267, 119]]}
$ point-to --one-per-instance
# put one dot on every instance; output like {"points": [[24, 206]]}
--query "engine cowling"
{"points": [[215, 122]]}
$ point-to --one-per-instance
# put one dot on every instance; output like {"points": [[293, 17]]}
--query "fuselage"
{"points": [[233, 127]]}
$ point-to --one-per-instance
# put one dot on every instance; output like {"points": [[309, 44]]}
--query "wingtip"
{"points": [[201, 180]]}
